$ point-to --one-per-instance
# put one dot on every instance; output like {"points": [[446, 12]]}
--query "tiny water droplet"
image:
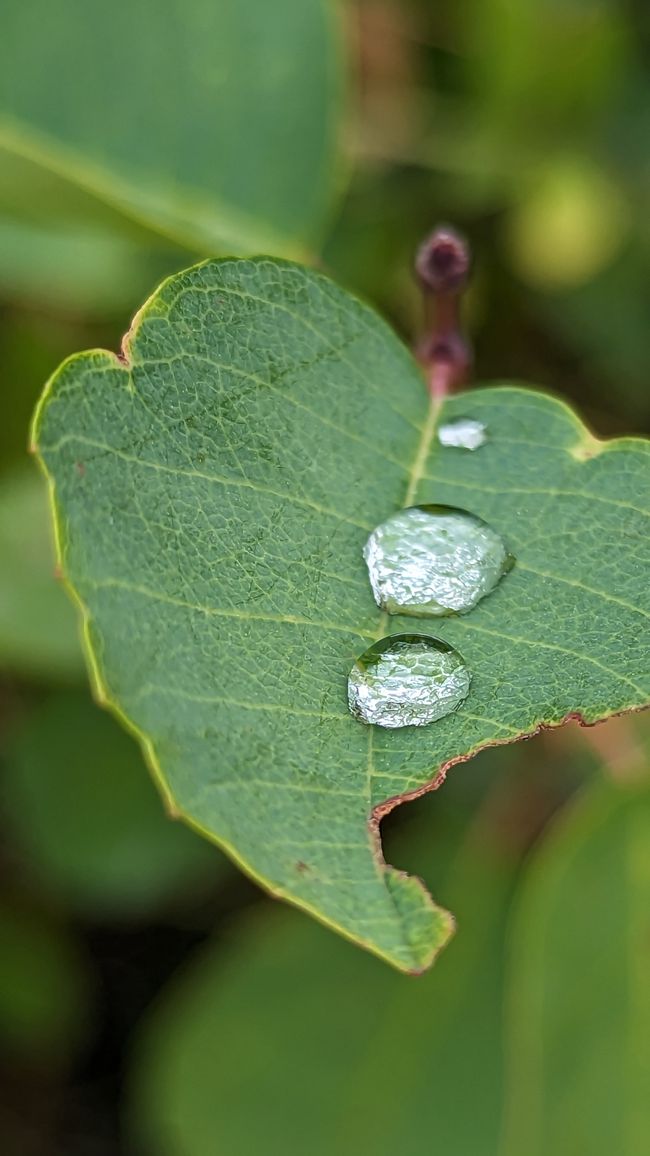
{"points": [[463, 433], [407, 680], [434, 560]]}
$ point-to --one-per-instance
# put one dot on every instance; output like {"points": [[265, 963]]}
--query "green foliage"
{"points": [[579, 1038], [517, 48], [604, 321], [213, 493], [213, 123], [44, 988], [37, 625], [136, 139], [87, 815], [88, 269]]}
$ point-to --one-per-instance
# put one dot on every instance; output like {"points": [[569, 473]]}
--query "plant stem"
{"points": [[442, 267]]}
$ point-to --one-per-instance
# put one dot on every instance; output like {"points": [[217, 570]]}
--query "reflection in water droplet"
{"points": [[434, 560], [407, 680], [463, 433]]}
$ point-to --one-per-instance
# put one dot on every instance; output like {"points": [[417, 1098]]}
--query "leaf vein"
{"points": [[177, 471], [220, 612]]}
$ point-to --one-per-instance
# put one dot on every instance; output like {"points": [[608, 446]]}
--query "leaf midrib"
{"points": [[234, 229], [415, 476]]}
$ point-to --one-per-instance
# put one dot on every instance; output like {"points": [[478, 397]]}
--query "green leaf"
{"points": [[45, 988], [579, 1030], [87, 269], [38, 634], [215, 123], [82, 806], [338, 1054], [601, 322], [213, 493]]}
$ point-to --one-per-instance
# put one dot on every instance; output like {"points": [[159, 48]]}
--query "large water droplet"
{"points": [[407, 680], [463, 433], [434, 560]]}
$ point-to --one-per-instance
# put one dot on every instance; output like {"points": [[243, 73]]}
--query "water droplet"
{"points": [[434, 560], [463, 433], [407, 680]]}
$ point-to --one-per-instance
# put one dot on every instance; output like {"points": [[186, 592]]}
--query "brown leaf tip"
{"points": [[443, 261]]}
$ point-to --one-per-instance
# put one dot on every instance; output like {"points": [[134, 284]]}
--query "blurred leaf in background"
{"points": [[215, 124], [45, 988], [84, 811], [38, 625], [579, 1002], [80, 269]]}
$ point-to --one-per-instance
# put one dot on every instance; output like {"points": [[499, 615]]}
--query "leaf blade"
{"points": [[222, 507], [233, 147]]}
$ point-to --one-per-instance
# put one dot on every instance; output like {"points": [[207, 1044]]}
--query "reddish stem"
{"points": [[442, 266]]}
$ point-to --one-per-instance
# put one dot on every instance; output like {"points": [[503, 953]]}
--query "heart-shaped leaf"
{"points": [[213, 492]]}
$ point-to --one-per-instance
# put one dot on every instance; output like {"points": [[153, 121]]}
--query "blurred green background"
{"points": [[152, 1001]]}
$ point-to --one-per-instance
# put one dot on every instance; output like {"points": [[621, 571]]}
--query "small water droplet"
{"points": [[463, 433], [407, 680], [434, 560]]}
